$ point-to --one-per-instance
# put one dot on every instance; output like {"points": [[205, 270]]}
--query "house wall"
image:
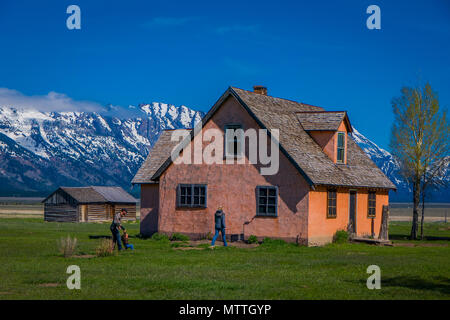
{"points": [[322, 229], [327, 140], [234, 187], [149, 209], [364, 226]]}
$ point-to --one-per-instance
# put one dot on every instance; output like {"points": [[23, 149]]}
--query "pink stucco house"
{"points": [[324, 183]]}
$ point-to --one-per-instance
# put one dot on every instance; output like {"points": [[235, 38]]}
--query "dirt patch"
{"points": [[4, 293], [85, 256], [241, 244], [49, 285], [403, 244], [188, 248], [433, 245], [193, 245], [411, 245]]}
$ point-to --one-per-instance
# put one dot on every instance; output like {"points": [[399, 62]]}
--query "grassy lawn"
{"points": [[32, 268]]}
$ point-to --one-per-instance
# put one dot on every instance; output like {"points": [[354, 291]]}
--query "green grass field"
{"points": [[32, 268]]}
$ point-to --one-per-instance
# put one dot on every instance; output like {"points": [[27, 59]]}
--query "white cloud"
{"points": [[53, 101]]}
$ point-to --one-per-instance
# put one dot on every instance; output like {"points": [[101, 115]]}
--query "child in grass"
{"points": [[125, 241]]}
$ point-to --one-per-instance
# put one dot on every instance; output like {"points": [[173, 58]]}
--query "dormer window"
{"points": [[340, 147], [233, 140]]}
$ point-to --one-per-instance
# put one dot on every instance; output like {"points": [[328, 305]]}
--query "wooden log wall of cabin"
{"points": [[97, 212], [60, 212], [131, 208]]}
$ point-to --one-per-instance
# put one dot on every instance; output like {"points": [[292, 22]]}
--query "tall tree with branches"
{"points": [[435, 177], [419, 139]]}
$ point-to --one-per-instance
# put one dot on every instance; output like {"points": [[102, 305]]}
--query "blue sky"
{"points": [[189, 52]]}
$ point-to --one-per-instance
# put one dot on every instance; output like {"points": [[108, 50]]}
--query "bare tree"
{"points": [[419, 138]]}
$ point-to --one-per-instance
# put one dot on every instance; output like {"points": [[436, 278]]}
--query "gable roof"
{"points": [[156, 157], [97, 194], [323, 120], [295, 143]]}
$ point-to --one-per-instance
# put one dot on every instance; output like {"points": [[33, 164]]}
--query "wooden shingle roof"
{"points": [[156, 158], [97, 194], [295, 143], [323, 120]]}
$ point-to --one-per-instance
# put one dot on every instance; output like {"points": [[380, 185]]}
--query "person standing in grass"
{"points": [[219, 221], [116, 225]]}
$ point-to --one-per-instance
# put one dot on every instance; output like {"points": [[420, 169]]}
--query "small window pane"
{"points": [[267, 201]]}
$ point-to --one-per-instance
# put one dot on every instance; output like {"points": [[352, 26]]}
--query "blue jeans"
{"points": [[217, 234], [116, 237]]}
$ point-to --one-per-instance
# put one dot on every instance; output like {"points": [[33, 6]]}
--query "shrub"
{"points": [[179, 237], [252, 239], [67, 246], [105, 248], [160, 237], [341, 236]]}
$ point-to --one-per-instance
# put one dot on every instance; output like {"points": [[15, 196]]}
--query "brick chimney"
{"points": [[260, 90]]}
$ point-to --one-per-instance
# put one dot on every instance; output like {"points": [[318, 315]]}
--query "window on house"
{"points": [[191, 195], [341, 147], [372, 204], [267, 198], [233, 140], [331, 204]]}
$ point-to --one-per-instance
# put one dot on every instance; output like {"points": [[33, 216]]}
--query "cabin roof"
{"points": [[295, 143], [97, 194]]}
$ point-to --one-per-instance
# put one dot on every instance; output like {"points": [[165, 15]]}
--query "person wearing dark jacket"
{"points": [[115, 226], [219, 221]]}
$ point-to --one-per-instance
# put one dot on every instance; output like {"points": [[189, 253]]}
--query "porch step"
{"points": [[372, 241]]}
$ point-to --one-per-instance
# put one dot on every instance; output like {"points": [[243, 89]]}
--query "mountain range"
{"points": [[40, 151]]}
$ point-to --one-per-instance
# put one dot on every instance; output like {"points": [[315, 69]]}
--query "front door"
{"points": [[352, 217]]}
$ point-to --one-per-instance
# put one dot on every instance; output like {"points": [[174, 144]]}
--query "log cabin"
{"points": [[325, 181], [88, 204]]}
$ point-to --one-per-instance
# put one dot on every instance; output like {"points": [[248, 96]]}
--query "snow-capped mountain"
{"points": [[40, 151], [382, 158], [391, 168]]}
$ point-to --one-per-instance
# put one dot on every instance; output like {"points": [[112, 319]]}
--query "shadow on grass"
{"points": [[426, 238], [438, 284], [99, 237]]}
